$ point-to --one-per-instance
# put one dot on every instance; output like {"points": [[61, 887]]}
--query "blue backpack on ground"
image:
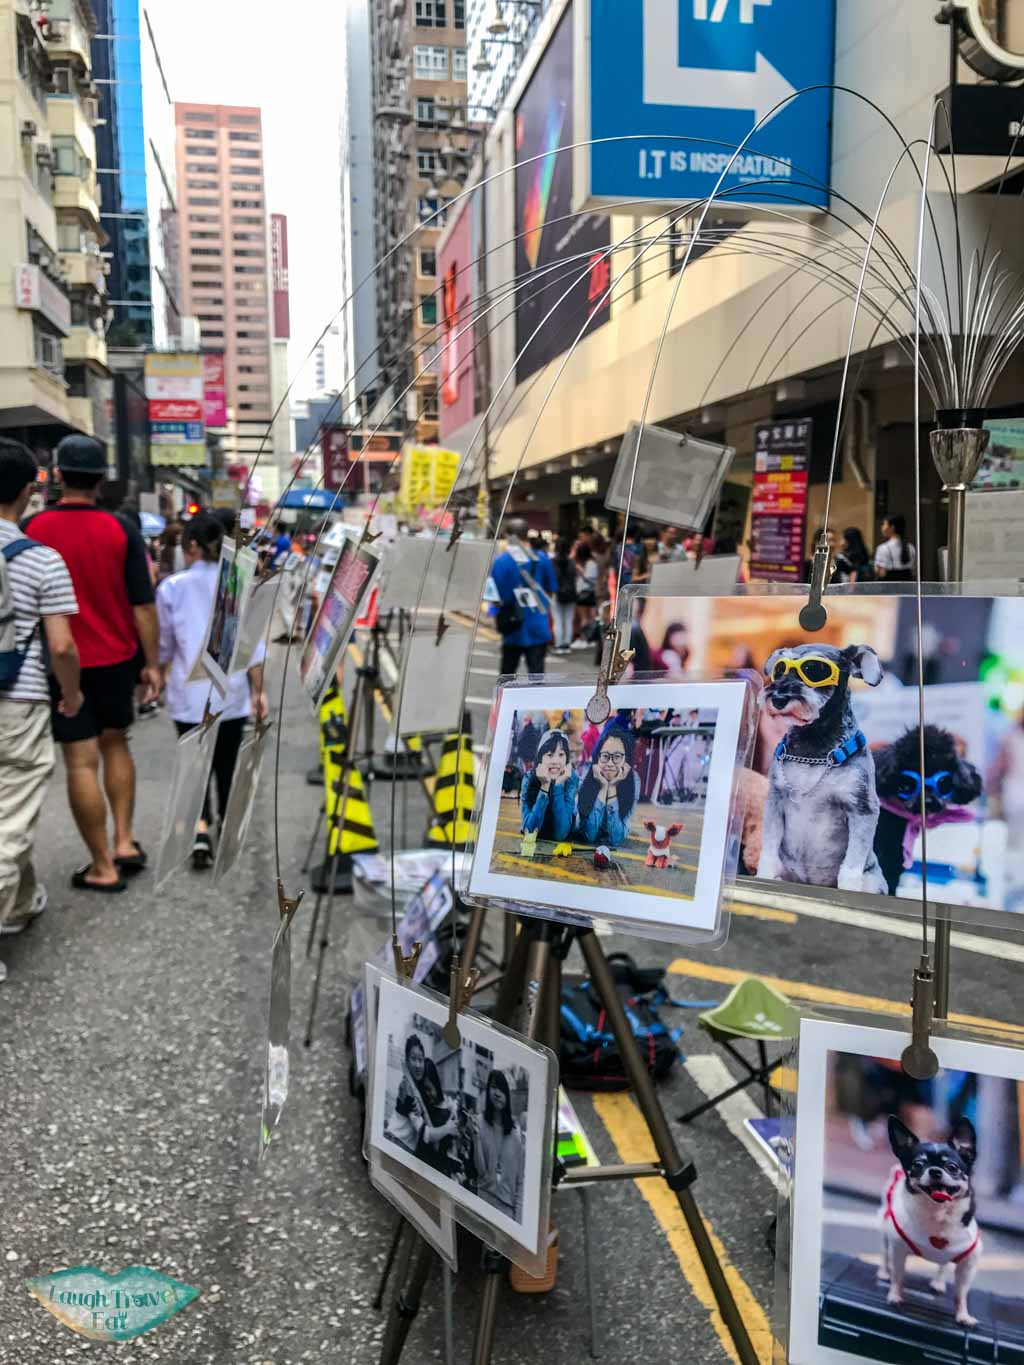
{"points": [[11, 657]]}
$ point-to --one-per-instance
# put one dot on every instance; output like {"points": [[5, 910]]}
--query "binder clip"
{"points": [[813, 614], [460, 991], [405, 966], [918, 1060]]}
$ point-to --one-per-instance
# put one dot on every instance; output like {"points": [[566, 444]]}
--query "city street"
{"points": [[132, 1034]]}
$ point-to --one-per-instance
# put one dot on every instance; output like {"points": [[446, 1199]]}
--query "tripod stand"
{"points": [[533, 981]]}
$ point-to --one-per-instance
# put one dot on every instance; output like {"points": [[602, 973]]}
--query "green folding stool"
{"points": [[753, 1011]]}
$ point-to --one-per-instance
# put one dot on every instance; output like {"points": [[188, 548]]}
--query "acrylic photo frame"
{"points": [[714, 576], [234, 825], [427, 1211], [830, 1307], [255, 623], [730, 635], [332, 626], [523, 1155], [276, 1069], [433, 673], [424, 570], [236, 574], [671, 866], [190, 776], [677, 476]]}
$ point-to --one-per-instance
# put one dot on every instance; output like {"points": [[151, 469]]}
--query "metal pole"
{"points": [[679, 1174], [407, 1301]]}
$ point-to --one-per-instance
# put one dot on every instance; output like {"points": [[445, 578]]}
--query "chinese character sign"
{"points": [[778, 525]]}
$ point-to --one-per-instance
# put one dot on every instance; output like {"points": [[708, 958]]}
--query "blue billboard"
{"points": [[692, 78]]}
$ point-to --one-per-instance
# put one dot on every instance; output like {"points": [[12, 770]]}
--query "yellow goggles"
{"points": [[811, 670]]}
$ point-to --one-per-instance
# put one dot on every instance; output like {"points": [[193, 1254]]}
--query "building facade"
{"points": [[359, 313], [224, 268], [498, 34], [419, 85]]}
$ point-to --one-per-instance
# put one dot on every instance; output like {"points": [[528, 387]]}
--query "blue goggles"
{"points": [[940, 784]]}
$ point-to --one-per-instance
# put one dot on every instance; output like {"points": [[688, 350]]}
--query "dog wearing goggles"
{"points": [[949, 783], [822, 808]]}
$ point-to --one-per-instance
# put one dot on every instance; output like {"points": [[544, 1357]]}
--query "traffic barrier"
{"points": [[453, 793], [355, 822]]}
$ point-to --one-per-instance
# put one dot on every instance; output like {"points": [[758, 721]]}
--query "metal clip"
{"points": [[813, 615], [206, 724], [918, 1060], [460, 991], [456, 530], [261, 726], [442, 626], [405, 966], [287, 905], [613, 664], [368, 536]]}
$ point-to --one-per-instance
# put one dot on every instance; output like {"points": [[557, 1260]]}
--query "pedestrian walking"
{"points": [[895, 558], [525, 582], [37, 602], [853, 562], [563, 608], [117, 638], [586, 595], [184, 603]]}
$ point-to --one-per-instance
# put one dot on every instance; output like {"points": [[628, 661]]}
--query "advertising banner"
{"points": [[691, 79], [428, 474], [215, 400], [546, 235], [279, 275], [174, 392], [457, 272], [334, 445], [778, 524], [378, 446]]}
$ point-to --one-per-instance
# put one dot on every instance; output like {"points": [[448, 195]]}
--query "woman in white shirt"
{"points": [[184, 602], [895, 558]]}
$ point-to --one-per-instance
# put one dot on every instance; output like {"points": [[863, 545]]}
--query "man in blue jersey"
{"points": [[525, 581]]}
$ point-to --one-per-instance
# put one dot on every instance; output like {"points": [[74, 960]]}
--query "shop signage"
{"points": [[428, 474], [174, 392], [175, 433], [582, 485], [175, 410], [335, 449], [778, 526], [381, 446], [693, 78], [35, 291], [215, 401]]}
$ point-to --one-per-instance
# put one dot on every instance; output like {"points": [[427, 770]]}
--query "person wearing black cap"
{"points": [[117, 634]]}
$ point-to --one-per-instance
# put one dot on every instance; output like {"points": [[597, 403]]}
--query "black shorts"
{"points": [[109, 702]]}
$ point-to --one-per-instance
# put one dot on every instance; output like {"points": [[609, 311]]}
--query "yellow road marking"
{"points": [[552, 869], [783, 1078], [628, 1131], [765, 913], [826, 995]]}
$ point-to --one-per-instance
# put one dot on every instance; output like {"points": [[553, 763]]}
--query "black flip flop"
{"points": [[202, 851], [80, 883], [134, 862]]}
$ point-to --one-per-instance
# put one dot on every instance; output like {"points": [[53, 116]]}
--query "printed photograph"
{"points": [[628, 817], [913, 1192], [835, 789], [336, 617], [234, 579], [472, 1121]]}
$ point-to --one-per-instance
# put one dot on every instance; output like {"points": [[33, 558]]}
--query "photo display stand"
{"points": [[865, 656], [859, 1125], [653, 459], [234, 826], [275, 1076], [437, 573], [635, 821], [193, 760], [434, 664], [236, 576]]}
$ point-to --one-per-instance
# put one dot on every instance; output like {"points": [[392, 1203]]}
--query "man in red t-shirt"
{"points": [[117, 635]]}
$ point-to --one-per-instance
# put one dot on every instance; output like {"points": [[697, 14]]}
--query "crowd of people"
{"points": [[894, 559], [92, 624]]}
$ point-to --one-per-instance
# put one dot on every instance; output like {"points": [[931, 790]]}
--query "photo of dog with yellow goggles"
{"points": [[822, 807]]}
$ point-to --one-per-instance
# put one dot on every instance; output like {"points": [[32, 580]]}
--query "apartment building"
{"points": [[223, 244], [53, 371], [421, 155]]}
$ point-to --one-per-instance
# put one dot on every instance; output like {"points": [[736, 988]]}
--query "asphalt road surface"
{"points": [[132, 1039]]}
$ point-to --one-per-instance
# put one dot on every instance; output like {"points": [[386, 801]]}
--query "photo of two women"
{"points": [[618, 804], [459, 1113]]}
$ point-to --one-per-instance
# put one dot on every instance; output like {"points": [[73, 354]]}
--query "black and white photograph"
{"points": [[909, 1201], [474, 1121], [629, 819]]}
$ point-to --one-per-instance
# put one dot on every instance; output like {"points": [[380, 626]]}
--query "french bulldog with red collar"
{"points": [[928, 1211]]}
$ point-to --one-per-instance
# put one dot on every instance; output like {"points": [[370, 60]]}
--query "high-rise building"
{"points": [[359, 314], [498, 33], [135, 169], [223, 231], [418, 69]]}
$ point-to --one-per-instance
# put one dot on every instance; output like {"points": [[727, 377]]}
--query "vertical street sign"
{"points": [[778, 524]]}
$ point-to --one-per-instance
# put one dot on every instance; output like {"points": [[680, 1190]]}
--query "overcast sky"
{"points": [[286, 58]]}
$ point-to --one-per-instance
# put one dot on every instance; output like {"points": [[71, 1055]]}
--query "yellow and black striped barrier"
{"points": [[343, 782], [453, 793]]}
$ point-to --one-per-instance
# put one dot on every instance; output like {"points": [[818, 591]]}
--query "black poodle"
{"points": [[950, 783]]}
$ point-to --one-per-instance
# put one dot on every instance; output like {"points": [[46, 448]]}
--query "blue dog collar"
{"points": [[856, 744]]}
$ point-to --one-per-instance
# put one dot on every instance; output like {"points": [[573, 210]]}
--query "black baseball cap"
{"points": [[81, 455]]}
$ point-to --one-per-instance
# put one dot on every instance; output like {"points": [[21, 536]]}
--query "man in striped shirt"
{"points": [[44, 602]]}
